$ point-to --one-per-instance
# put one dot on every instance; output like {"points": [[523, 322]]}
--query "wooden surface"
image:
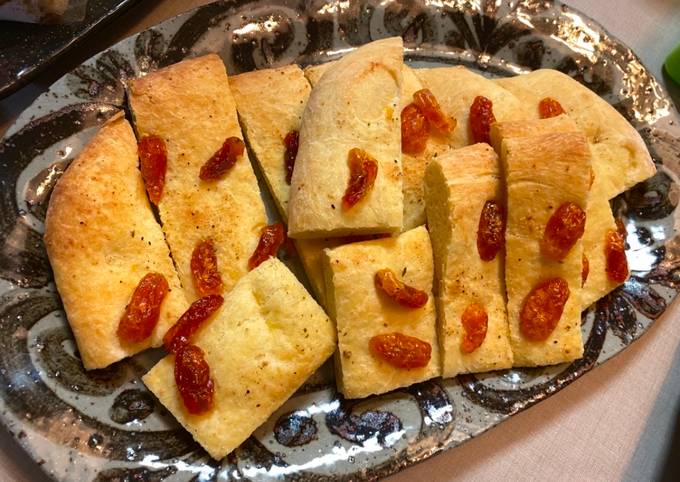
{"points": [[615, 423]]}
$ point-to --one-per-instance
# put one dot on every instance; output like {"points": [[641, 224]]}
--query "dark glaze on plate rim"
{"points": [[106, 423]]}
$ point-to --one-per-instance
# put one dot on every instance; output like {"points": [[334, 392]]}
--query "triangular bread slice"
{"points": [[265, 341], [102, 239], [190, 106], [620, 157], [599, 218], [458, 184], [355, 104]]}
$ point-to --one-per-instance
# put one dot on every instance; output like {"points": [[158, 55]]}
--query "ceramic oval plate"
{"points": [[104, 425]]}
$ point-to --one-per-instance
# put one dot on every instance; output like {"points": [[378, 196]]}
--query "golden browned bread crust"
{"points": [[101, 239], [190, 106]]}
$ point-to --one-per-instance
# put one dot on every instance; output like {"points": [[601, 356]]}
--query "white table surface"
{"points": [[615, 423]]}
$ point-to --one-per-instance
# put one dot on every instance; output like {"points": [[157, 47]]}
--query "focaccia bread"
{"points": [[456, 88], [542, 173], [599, 217], [268, 337], [458, 184], [361, 312], [354, 105], [270, 104], [190, 106], [102, 239], [620, 157]]}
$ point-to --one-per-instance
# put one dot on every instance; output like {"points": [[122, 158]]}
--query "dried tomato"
{"points": [[363, 170], [491, 230], [615, 254], [585, 269], [200, 310], [223, 160], [414, 130], [401, 293], [271, 239], [475, 322], [549, 107], [207, 277], [481, 118], [401, 351], [292, 143], [153, 162], [142, 312], [564, 228], [430, 108], [192, 377], [543, 309]]}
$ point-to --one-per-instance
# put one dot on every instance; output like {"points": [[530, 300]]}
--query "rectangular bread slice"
{"points": [[270, 104], [268, 337], [599, 218], [542, 173], [620, 157], [102, 239], [361, 312], [457, 186], [355, 104], [190, 106]]}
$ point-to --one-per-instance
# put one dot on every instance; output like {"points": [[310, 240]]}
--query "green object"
{"points": [[672, 64]]}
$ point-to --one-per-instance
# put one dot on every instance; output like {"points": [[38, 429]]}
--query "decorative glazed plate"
{"points": [[106, 426]]}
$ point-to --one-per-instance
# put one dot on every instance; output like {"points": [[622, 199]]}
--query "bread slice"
{"points": [[354, 105], [542, 173], [458, 184], [620, 157], [361, 312], [599, 218], [456, 88], [270, 104], [102, 239], [268, 337], [190, 106]]}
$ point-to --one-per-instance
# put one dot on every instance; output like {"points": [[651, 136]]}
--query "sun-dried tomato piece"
{"points": [[481, 118], [585, 269], [192, 377], [272, 238], [414, 130], [425, 100], [223, 160], [564, 228], [142, 312], [153, 162], [401, 351], [475, 322], [200, 310], [363, 170], [491, 230], [292, 143], [543, 308], [549, 107], [615, 254], [206, 276], [401, 293]]}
